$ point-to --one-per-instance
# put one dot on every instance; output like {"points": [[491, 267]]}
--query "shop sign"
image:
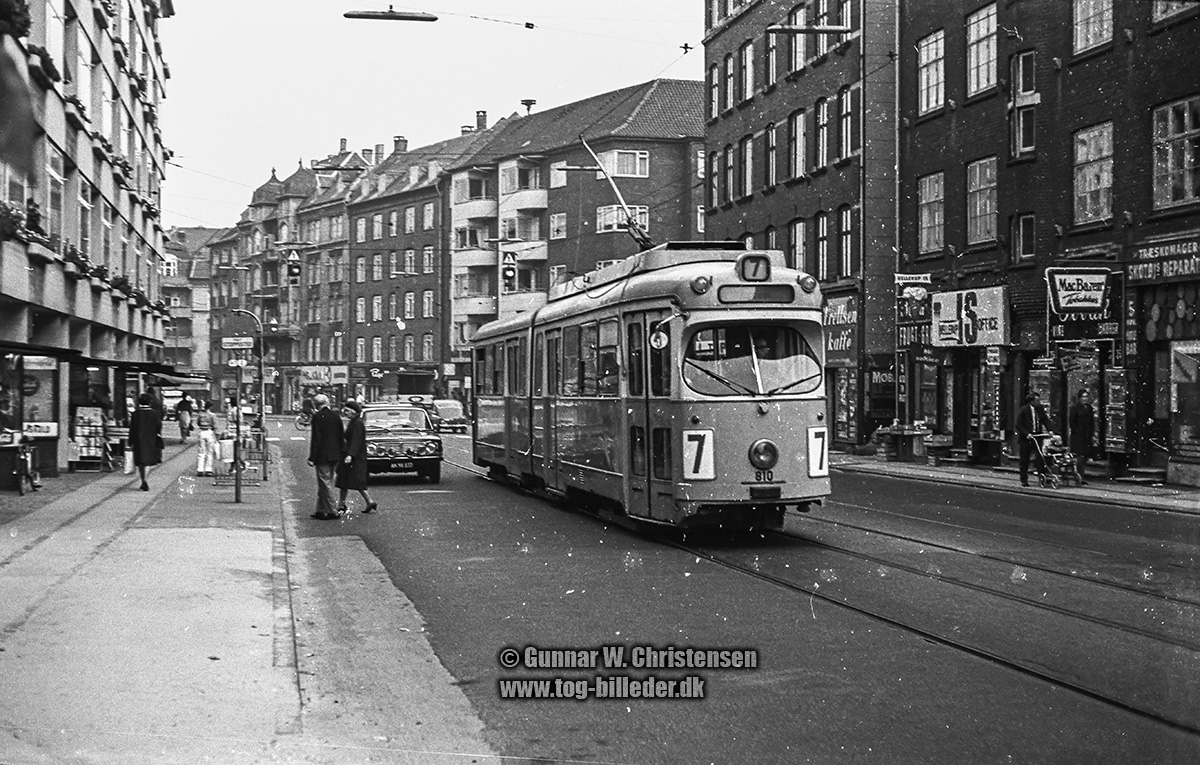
{"points": [[841, 330], [40, 364], [913, 313], [1077, 290], [993, 356], [339, 374], [40, 429], [316, 375], [1165, 261], [968, 318], [1102, 323]]}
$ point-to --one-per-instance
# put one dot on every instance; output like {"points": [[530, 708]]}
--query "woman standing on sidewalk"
{"points": [[206, 423], [145, 436], [352, 472]]}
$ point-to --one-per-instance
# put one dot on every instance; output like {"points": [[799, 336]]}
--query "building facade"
{"points": [[1048, 221], [186, 293], [800, 152], [80, 238]]}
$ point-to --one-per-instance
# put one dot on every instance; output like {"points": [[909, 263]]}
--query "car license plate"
{"points": [[402, 465]]}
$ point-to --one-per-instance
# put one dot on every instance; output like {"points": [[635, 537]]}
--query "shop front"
{"points": [[329, 379], [1163, 348], [842, 368]]}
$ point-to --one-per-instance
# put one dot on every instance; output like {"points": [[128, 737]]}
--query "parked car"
{"points": [[448, 415], [401, 439]]}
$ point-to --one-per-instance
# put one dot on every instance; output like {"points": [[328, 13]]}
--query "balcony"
{"points": [[473, 258], [475, 305], [475, 208], [535, 250], [519, 302], [527, 199]]}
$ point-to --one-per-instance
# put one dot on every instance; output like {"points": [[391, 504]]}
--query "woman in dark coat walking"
{"points": [[1082, 419], [145, 436], [352, 472]]}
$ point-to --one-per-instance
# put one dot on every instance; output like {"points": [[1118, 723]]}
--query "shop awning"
{"points": [[180, 380]]}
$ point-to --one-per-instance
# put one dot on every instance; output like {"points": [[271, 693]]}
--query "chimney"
{"points": [[481, 120], [467, 130], [399, 144], [528, 103], [378, 152], [368, 156], [343, 146]]}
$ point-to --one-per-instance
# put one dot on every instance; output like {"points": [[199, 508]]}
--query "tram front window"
{"points": [[750, 360]]}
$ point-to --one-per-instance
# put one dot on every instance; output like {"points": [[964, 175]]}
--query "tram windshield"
{"points": [[751, 360]]}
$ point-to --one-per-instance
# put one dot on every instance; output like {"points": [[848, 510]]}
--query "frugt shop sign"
{"points": [[971, 317], [1165, 261]]}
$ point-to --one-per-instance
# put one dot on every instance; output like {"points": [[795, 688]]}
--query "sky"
{"points": [[262, 84]]}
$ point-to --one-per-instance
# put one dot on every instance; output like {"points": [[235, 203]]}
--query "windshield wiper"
{"points": [[733, 386], [792, 384]]}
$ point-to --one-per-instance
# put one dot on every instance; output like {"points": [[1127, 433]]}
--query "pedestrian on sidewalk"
{"points": [[183, 413], [324, 454], [207, 450], [352, 472], [145, 436], [1082, 420], [1031, 419]]}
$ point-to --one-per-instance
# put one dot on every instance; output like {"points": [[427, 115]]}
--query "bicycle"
{"points": [[303, 420]]}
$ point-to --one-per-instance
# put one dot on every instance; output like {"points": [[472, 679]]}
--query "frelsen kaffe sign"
{"points": [[1077, 290]]}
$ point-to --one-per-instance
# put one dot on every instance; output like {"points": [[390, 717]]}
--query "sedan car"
{"points": [[448, 415], [401, 439]]}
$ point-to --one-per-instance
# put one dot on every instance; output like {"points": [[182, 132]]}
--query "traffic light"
{"points": [[294, 271], [510, 278]]}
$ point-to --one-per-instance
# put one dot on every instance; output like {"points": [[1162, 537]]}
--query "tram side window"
{"points": [[570, 362], [539, 355], [637, 449], [553, 365], [660, 368], [661, 450], [587, 359], [608, 366], [496, 369], [515, 363], [637, 359], [483, 371]]}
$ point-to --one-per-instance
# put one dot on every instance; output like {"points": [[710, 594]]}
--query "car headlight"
{"points": [[764, 454], [372, 449]]}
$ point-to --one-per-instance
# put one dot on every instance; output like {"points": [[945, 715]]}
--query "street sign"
{"points": [[236, 362], [510, 259], [237, 343]]}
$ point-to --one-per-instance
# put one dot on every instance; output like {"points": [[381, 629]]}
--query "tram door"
{"points": [[648, 361]]}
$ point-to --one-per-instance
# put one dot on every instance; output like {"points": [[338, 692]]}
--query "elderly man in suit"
{"points": [[324, 454]]}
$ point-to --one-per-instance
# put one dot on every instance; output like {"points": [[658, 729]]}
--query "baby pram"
{"points": [[1056, 464]]}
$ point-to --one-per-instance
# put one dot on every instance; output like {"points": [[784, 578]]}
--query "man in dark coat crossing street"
{"points": [[324, 454]]}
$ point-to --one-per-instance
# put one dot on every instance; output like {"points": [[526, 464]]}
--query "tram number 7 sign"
{"points": [[698, 463], [818, 452]]}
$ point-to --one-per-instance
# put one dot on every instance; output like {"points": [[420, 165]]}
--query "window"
{"points": [[392, 222], [822, 219], [515, 178], [981, 201], [796, 42], [377, 308], [1023, 114], [798, 245], [821, 19], [739, 359], [727, 187], [409, 347], [1023, 237], [1177, 153], [169, 266], [626, 164], [393, 351], [931, 212], [360, 269], [1093, 23], [1024, 123], [770, 236], [1166, 8], [845, 123], [468, 188], [360, 230], [427, 304], [410, 305], [392, 306], [86, 194], [360, 310], [377, 349], [410, 261], [700, 219], [410, 220], [846, 241], [770, 169], [360, 349], [931, 77], [377, 226], [83, 68], [772, 68], [612, 218], [1093, 173], [822, 158], [427, 259], [557, 274], [714, 179], [727, 102], [746, 152], [747, 63], [377, 266], [797, 145], [981, 50], [55, 196], [714, 97], [845, 18], [427, 347], [427, 216], [558, 225], [558, 175]]}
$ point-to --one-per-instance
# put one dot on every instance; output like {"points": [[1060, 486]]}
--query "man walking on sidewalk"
{"points": [[324, 454], [1031, 419]]}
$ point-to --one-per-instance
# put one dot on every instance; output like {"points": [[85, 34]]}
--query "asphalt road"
{"points": [[490, 568]]}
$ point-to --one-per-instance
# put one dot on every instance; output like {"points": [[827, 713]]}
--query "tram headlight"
{"points": [[701, 284], [764, 454], [807, 282]]}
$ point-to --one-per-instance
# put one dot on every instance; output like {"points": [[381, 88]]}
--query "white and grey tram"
{"points": [[681, 386]]}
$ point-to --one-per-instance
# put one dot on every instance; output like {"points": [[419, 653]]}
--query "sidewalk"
{"points": [[176, 626], [1180, 499]]}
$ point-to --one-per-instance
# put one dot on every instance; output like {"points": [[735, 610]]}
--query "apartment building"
{"points": [[80, 238]]}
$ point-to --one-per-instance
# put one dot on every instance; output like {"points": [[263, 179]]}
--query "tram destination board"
{"points": [[237, 343]]}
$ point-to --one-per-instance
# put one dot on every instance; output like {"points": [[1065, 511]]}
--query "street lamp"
{"points": [[262, 352]]}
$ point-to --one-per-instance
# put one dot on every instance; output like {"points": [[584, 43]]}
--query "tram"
{"points": [[682, 386]]}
